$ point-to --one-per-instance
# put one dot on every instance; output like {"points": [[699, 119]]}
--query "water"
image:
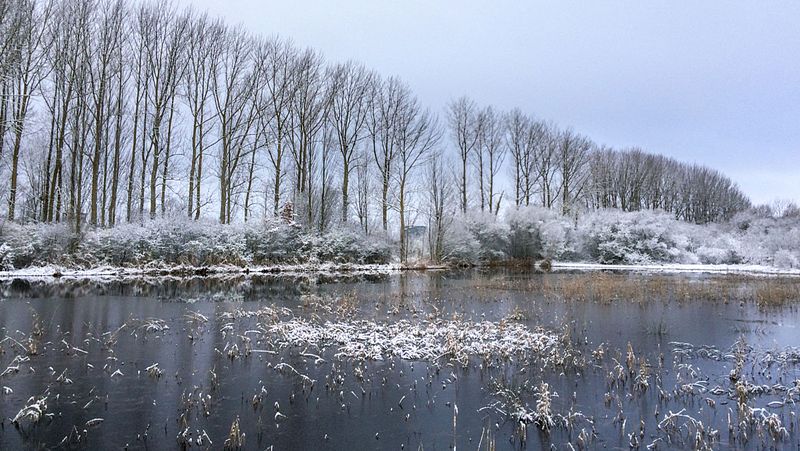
{"points": [[92, 349]]}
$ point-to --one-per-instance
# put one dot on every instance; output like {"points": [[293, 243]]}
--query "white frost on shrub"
{"points": [[785, 260]]}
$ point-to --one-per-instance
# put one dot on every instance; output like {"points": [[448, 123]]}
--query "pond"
{"points": [[474, 359]]}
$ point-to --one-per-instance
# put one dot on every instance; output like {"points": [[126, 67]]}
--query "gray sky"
{"points": [[712, 82]]}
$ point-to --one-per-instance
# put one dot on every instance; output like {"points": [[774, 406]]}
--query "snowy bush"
{"points": [[536, 232], [349, 246], [184, 242], [631, 238], [785, 259], [604, 236], [492, 235], [23, 246], [459, 244]]}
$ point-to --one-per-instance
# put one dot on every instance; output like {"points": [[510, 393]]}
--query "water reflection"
{"points": [[341, 409]]}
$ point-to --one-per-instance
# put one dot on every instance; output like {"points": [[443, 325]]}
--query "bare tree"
{"points": [[573, 159], [416, 132], [197, 92], [276, 60], [122, 74], [385, 110], [232, 87], [108, 34], [350, 85], [26, 73], [164, 56], [492, 152], [363, 187], [544, 139], [440, 205], [461, 119], [309, 106]]}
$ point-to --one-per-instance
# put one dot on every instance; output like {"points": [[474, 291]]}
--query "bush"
{"points": [[604, 236], [785, 259], [491, 235], [631, 238], [36, 245], [167, 242], [459, 245], [537, 232]]}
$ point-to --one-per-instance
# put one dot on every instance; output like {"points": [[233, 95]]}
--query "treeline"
{"points": [[554, 167], [117, 112], [634, 180]]}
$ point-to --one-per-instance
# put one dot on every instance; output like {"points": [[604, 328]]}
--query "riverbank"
{"points": [[56, 272]]}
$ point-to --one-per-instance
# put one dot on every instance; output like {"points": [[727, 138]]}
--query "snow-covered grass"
{"points": [[417, 340]]}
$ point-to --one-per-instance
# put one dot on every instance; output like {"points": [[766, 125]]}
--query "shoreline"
{"points": [[111, 272]]}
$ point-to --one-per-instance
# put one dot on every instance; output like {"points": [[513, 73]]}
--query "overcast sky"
{"points": [[712, 82]]}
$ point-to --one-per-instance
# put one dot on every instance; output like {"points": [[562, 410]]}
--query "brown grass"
{"points": [[610, 287]]}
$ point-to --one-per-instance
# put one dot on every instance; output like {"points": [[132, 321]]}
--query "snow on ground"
{"points": [[54, 271], [681, 268], [110, 272]]}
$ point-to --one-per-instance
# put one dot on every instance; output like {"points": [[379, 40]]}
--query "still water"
{"points": [[89, 349]]}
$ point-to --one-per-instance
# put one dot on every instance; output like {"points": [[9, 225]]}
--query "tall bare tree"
{"points": [[416, 131], [573, 159], [461, 116], [309, 106], [232, 89], [26, 73], [350, 85], [197, 93]]}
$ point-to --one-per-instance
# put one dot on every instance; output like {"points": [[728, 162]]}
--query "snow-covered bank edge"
{"points": [[107, 272], [111, 272], [752, 270]]}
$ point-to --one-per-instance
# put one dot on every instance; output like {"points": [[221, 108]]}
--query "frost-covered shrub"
{"points": [[492, 235], [712, 255], [167, 242], [6, 257], [640, 237], [785, 259], [34, 245], [459, 244], [536, 232], [764, 236], [606, 236], [177, 241], [348, 246], [273, 241]]}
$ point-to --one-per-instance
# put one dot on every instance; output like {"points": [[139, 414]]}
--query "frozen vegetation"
{"points": [[165, 243], [528, 233], [614, 237]]}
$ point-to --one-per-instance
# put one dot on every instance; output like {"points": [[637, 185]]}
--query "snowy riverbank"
{"points": [[111, 272]]}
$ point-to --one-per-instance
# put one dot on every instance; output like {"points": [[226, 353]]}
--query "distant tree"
{"points": [[440, 205], [573, 159]]}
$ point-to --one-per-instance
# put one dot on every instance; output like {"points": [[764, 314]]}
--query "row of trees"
{"points": [[113, 112], [554, 167], [133, 102]]}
